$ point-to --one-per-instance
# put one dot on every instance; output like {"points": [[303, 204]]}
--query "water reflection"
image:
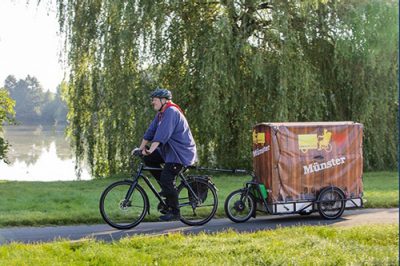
{"points": [[39, 153]]}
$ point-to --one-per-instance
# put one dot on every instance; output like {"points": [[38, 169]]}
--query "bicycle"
{"points": [[124, 204]]}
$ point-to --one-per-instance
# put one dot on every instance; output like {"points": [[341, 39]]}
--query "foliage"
{"points": [[303, 245], [32, 105], [230, 64], [6, 115], [76, 202]]}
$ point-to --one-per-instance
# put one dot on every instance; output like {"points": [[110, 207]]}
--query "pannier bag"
{"points": [[199, 186]]}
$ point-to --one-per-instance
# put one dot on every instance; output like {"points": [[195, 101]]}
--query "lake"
{"points": [[39, 153]]}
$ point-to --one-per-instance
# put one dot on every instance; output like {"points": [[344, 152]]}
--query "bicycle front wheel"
{"points": [[201, 210], [119, 211], [239, 206]]}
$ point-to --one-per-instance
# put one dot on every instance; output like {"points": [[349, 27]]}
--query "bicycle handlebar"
{"points": [[137, 152]]}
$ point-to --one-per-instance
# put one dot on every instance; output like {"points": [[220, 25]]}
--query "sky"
{"points": [[30, 43]]}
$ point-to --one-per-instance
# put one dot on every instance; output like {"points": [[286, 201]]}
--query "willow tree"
{"points": [[229, 64], [366, 61]]}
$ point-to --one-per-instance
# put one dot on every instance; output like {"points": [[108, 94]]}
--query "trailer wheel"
{"points": [[240, 206], [331, 203]]}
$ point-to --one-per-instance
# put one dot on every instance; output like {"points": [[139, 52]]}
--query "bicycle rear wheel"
{"points": [[195, 212], [120, 212]]}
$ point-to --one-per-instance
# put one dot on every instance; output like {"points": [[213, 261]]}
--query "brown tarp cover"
{"points": [[296, 160]]}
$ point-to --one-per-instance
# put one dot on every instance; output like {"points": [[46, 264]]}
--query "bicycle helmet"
{"points": [[161, 93]]}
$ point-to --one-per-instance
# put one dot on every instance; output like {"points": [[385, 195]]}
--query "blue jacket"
{"points": [[171, 129]]}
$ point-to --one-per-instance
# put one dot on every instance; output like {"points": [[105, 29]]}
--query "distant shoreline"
{"points": [[34, 124]]}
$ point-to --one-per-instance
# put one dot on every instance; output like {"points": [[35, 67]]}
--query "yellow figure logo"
{"points": [[258, 138], [315, 142], [324, 141]]}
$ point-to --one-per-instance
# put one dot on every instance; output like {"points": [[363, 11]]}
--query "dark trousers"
{"points": [[166, 178]]}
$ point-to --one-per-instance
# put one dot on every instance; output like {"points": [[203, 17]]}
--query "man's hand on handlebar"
{"points": [[137, 152], [145, 152]]}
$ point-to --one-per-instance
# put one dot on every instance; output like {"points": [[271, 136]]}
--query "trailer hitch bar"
{"points": [[234, 171]]}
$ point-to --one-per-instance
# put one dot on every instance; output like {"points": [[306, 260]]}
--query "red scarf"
{"points": [[166, 106]]}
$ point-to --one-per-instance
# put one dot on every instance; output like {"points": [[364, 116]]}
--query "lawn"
{"points": [[305, 245], [76, 202], [381, 189]]}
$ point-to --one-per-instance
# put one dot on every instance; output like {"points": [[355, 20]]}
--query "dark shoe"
{"points": [[162, 208], [162, 194], [170, 217]]}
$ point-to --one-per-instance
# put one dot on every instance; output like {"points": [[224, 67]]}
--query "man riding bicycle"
{"points": [[172, 143]]}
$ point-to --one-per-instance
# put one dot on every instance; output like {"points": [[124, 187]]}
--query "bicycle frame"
{"points": [[142, 167], [255, 185]]}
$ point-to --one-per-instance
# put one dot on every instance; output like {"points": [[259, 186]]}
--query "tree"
{"points": [[6, 115], [230, 64], [33, 105], [29, 97], [60, 114]]}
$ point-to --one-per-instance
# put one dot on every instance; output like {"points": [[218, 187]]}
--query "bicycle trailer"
{"points": [[302, 168]]}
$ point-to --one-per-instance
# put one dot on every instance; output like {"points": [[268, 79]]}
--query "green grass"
{"points": [[306, 245], [76, 202], [381, 189]]}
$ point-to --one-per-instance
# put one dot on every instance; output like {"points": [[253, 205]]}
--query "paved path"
{"points": [[107, 233]]}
